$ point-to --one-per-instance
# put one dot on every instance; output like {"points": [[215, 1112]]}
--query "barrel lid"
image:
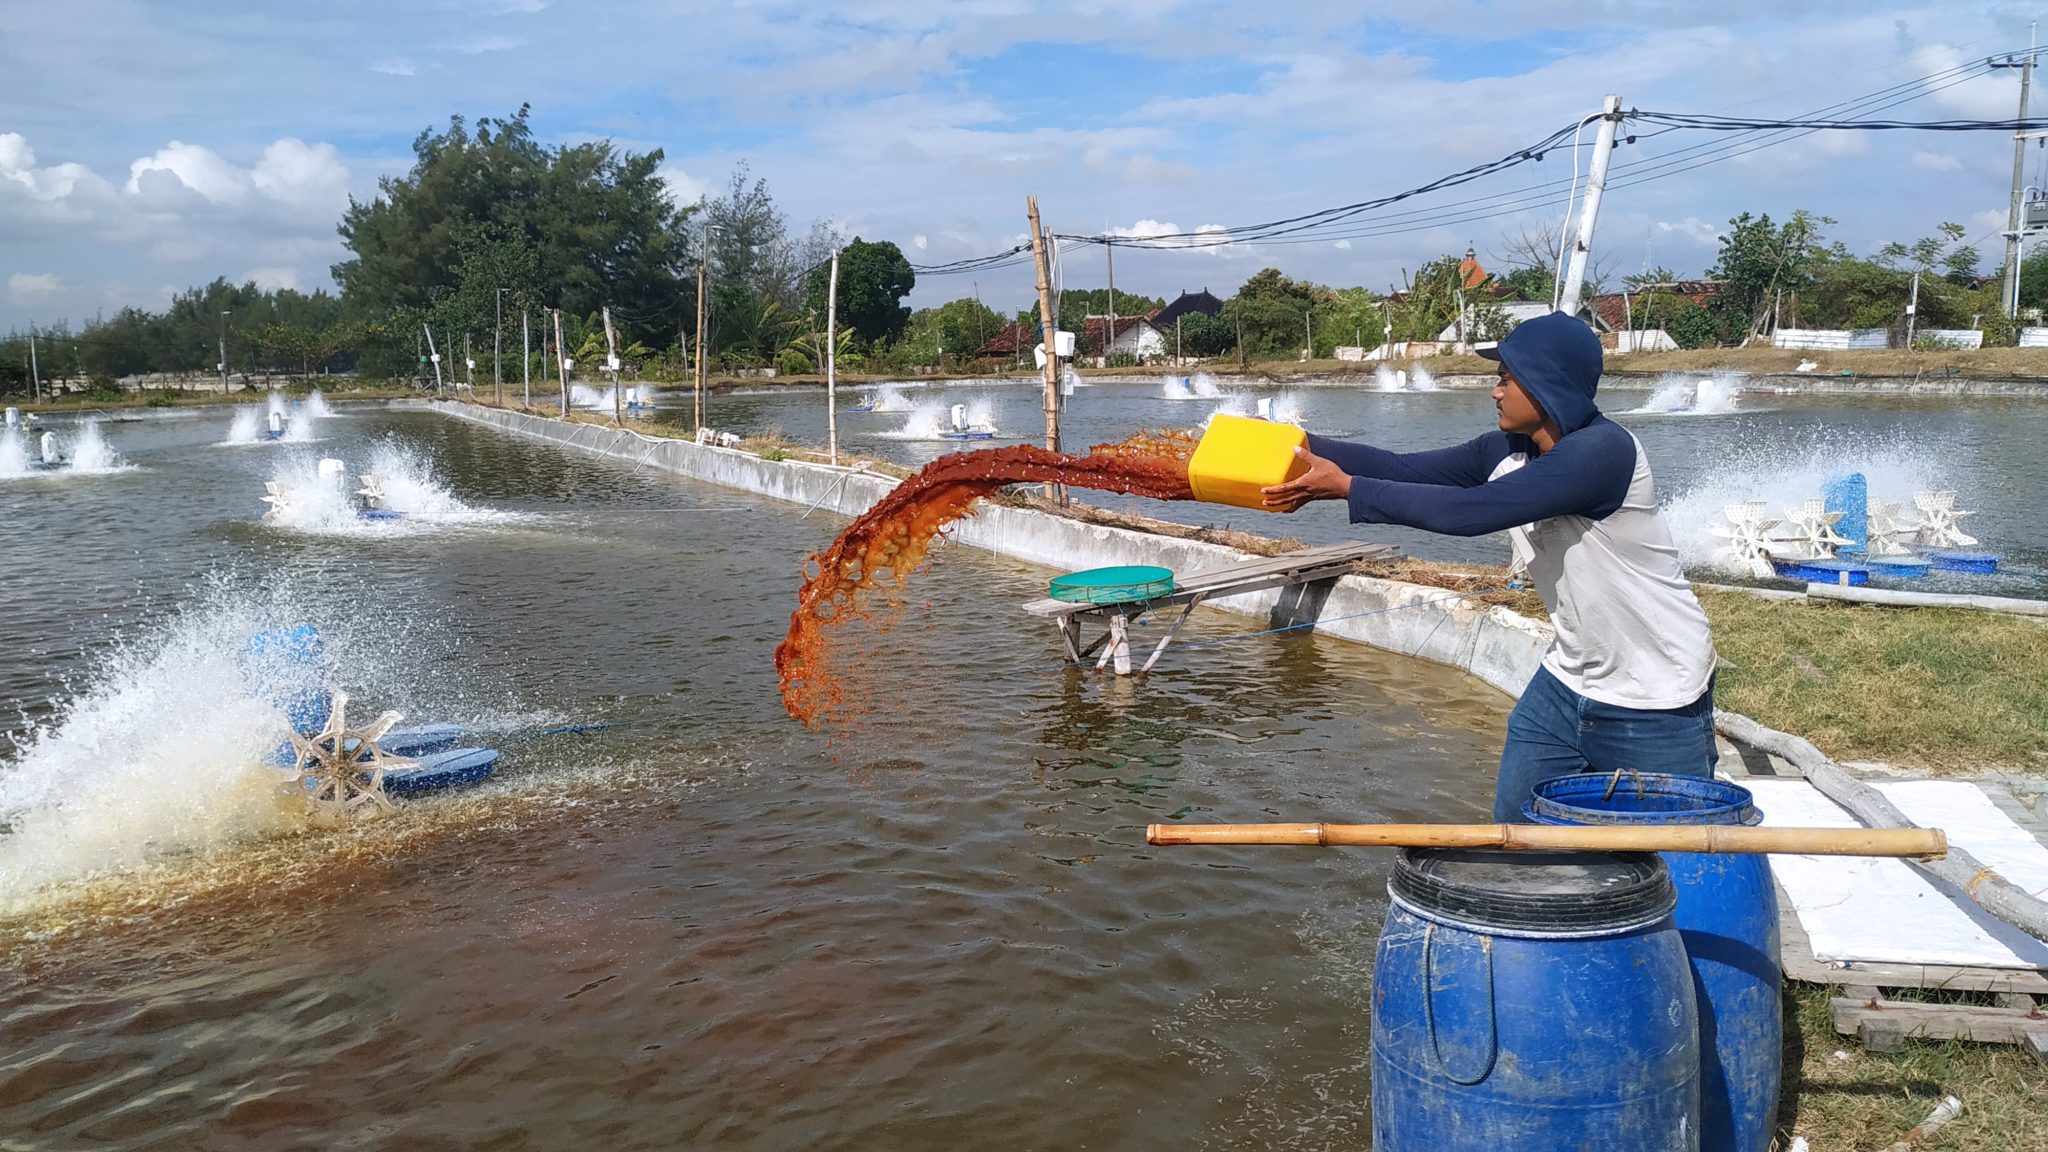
{"points": [[1534, 893], [1641, 798]]}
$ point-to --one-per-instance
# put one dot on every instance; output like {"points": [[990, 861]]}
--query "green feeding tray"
{"points": [[1120, 585]]}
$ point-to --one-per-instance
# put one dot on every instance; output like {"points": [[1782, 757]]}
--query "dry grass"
{"points": [[1945, 690], [1866, 1100]]}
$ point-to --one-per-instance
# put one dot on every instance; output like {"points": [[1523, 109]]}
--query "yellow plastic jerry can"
{"points": [[1238, 456]]}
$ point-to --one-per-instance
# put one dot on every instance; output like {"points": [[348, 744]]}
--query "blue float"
{"points": [[1909, 567], [1728, 917], [1532, 1001], [1978, 562], [285, 669], [1823, 571]]}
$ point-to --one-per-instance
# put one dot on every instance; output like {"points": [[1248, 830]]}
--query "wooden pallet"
{"points": [[1256, 575], [1882, 1024]]}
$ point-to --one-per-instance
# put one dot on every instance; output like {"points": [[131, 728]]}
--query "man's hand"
{"points": [[1323, 481]]}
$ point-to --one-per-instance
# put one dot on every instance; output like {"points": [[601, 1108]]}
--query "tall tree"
{"points": [[873, 280], [578, 227], [1762, 262]]}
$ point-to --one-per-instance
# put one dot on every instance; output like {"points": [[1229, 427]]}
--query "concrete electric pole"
{"points": [[1589, 213]]}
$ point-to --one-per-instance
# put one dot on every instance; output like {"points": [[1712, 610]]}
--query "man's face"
{"points": [[1518, 411]]}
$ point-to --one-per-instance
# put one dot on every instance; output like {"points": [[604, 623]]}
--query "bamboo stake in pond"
{"points": [[1924, 843]]}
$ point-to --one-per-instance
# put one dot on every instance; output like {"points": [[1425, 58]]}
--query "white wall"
{"points": [[1831, 339]]}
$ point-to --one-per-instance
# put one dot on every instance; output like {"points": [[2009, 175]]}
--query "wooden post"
{"points": [[611, 363], [832, 361], [1052, 348], [697, 400], [561, 364], [525, 357]]}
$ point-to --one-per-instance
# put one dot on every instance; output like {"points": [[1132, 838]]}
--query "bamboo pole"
{"points": [[1993, 892], [1924, 843], [1049, 333]]}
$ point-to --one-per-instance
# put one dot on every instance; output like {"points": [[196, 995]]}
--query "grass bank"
{"points": [[1945, 690], [1845, 1099], [333, 388]]}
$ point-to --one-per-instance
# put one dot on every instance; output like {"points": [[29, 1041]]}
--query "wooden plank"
{"points": [[1886, 1024]]}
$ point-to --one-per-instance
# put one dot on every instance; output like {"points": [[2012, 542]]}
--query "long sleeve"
{"points": [[1464, 464], [1586, 474]]}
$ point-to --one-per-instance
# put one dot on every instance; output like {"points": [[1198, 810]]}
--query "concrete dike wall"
{"points": [[1494, 644]]}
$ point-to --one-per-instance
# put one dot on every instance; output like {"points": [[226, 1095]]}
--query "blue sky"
{"points": [[148, 146]]}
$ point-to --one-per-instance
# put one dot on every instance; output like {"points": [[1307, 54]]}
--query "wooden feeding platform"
{"points": [[1115, 612]]}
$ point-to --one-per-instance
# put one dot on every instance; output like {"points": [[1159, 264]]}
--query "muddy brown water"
{"points": [[706, 926]]}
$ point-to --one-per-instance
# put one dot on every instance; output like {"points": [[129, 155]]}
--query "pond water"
{"points": [[937, 927], [1735, 446]]}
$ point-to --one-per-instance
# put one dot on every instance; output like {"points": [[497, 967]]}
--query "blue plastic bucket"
{"points": [[1728, 917], [1532, 1001]]}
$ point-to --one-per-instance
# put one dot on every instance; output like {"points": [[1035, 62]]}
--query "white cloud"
{"points": [[1936, 162], [302, 175], [18, 166], [23, 288], [273, 279], [1342, 245], [919, 241], [396, 66], [482, 44], [197, 168], [683, 188]]}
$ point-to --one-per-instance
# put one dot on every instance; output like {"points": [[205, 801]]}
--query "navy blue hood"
{"points": [[1558, 361]]}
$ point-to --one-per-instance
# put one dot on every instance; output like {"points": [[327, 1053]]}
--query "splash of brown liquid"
{"points": [[892, 538]]}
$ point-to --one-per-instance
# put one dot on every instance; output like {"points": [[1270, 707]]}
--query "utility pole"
{"points": [[525, 357], [1308, 330], [2019, 172], [433, 356], [611, 364], [561, 364], [35, 371], [1052, 348], [1109, 253], [1912, 310], [468, 365], [497, 346], [224, 353], [832, 360], [1589, 214]]}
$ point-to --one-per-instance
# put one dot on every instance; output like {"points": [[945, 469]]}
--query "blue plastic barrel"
{"points": [[1728, 917], [1532, 1001]]}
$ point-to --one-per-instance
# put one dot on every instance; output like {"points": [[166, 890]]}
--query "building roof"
{"points": [[1470, 272], [1185, 303], [1011, 341], [1613, 310], [1094, 328]]}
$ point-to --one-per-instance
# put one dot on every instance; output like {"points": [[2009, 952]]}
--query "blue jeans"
{"points": [[1554, 731]]}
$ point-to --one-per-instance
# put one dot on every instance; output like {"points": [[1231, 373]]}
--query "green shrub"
{"points": [[790, 362], [101, 386], [774, 454]]}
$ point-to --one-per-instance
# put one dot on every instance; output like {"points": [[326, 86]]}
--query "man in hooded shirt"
{"points": [[1628, 682]]}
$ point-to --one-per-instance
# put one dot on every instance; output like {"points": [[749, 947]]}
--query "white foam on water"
{"points": [[1420, 380], [1785, 477], [164, 754], [584, 396], [315, 405], [247, 426], [327, 505], [890, 398], [13, 454], [91, 455], [274, 402], [1200, 386], [1677, 395]]}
